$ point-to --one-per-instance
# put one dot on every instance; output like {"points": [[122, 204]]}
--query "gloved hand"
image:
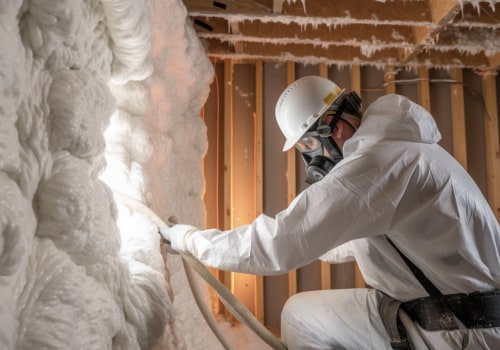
{"points": [[174, 236], [166, 235]]}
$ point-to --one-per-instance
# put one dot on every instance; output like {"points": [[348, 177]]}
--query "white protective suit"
{"points": [[394, 180]]}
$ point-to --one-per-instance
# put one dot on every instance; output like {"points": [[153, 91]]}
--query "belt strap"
{"points": [[434, 292], [424, 281], [388, 309], [475, 310]]}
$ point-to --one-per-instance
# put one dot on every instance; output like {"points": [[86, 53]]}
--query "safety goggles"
{"points": [[310, 142]]}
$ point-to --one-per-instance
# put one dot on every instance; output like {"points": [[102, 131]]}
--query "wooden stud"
{"points": [[291, 182], [389, 77], [424, 95], [356, 78], [326, 275], [228, 143], [494, 61], [458, 117], [492, 141], [259, 188], [323, 70], [244, 173], [226, 276], [211, 165]]}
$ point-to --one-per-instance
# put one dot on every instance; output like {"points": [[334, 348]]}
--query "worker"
{"points": [[382, 193]]}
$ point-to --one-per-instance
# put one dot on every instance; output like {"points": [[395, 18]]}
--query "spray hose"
{"points": [[230, 301]]}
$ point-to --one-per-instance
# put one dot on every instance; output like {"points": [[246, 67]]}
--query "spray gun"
{"points": [[171, 221], [191, 263]]}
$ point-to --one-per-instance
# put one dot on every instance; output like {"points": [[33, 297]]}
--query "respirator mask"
{"points": [[313, 153], [317, 148]]}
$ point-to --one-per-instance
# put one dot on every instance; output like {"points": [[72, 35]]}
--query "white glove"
{"points": [[174, 235]]}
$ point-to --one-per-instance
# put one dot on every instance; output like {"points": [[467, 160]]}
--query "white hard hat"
{"points": [[302, 103]]}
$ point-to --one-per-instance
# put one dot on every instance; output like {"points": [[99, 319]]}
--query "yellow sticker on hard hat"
{"points": [[332, 95]]}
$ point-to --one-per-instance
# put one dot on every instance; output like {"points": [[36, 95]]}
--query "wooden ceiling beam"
{"points": [[277, 6], [494, 61], [221, 7], [333, 13], [479, 15], [367, 11], [357, 35], [442, 12], [344, 55], [453, 58], [235, 30], [296, 51], [469, 38]]}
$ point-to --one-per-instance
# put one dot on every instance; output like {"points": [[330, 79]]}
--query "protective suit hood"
{"points": [[393, 117]]}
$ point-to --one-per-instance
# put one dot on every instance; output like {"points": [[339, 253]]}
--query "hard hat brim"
{"points": [[291, 141]]}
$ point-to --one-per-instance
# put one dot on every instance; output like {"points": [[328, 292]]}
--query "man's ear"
{"points": [[337, 130]]}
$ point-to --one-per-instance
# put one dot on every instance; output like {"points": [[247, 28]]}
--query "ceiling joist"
{"points": [[442, 12]]}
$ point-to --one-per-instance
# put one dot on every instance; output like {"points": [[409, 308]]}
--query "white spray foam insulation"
{"points": [[76, 270]]}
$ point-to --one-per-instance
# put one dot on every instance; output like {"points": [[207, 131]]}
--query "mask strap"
{"points": [[350, 124]]}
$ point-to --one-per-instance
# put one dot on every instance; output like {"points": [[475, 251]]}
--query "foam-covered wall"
{"points": [[96, 97]]}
